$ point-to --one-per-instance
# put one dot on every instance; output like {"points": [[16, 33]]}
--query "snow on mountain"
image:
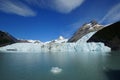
{"points": [[58, 45], [61, 39], [34, 41], [85, 29]]}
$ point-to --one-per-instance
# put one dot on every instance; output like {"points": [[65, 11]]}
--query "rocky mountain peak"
{"points": [[85, 29], [93, 22]]}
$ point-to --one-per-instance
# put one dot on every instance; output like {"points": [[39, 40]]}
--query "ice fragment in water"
{"points": [[56, 70]]}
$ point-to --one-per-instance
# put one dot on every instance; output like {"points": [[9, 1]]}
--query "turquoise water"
{"points": [[75, 66]]}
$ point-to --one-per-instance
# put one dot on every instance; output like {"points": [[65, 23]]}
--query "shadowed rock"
{"points": [[109, 35], [85, 29], [6, 39]]}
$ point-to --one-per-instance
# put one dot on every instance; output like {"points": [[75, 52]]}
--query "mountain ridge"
{"points": [[85, 29]]}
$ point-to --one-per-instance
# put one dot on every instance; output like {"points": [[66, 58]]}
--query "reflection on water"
{"points": [[113, 74], [75, 66], [112, 69]]}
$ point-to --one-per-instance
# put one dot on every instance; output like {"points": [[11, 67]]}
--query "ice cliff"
{"points": [[58, 45]]}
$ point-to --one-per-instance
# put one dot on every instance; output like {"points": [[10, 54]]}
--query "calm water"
{"points": [[75, 66]]}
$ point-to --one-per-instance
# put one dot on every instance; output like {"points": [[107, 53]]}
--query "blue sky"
{"points": [[48, 19]]}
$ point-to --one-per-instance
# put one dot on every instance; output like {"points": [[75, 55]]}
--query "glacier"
{"points": [[59, 45]]}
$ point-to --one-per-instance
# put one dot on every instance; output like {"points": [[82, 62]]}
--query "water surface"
{"points": [[75, 66]]}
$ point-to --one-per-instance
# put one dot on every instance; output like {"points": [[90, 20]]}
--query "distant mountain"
{"points": [[60, 39], [85, 29], [29, 41], [6, 39], [34, 41]]}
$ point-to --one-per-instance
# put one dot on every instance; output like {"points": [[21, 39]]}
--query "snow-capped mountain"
{"points": [[34, 41], [85, 29], [60, 39]]}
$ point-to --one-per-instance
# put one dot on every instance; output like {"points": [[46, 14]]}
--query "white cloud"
{"points": [[113, 15], [63, 6], [22, 7], [16, 7], [66, 6]]}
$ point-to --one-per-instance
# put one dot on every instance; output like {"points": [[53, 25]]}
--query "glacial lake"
{"points": [[73, 66]]}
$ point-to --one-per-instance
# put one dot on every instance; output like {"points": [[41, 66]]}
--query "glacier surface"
{"points": [[59, 45]]}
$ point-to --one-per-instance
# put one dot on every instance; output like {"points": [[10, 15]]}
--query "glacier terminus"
{"points": [[58, 45]]}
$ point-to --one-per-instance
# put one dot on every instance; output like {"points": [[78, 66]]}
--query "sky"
{"points": [[48, 19]]}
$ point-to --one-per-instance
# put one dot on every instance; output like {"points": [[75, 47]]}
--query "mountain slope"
{"points": [[85, 29], [6, 39], [110, 36]]}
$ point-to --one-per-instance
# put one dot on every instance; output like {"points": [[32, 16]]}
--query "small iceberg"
{"points": [[56, 70]]}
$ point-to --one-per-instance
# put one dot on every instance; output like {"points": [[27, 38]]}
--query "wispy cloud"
{"points": [[23, 7], [66, 6], [113, 15], [16, 7], [63, 6]]}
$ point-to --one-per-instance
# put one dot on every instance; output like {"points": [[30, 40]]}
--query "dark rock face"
{"points": [[109, 35], [6, 39], [85, 29]]}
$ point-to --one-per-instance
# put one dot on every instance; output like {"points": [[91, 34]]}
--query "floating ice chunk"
{"points": [[56, 70]]}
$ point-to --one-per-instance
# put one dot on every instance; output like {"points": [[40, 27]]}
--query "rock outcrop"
{"points": [[110, 36], [85, 29], [6, 39]]}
